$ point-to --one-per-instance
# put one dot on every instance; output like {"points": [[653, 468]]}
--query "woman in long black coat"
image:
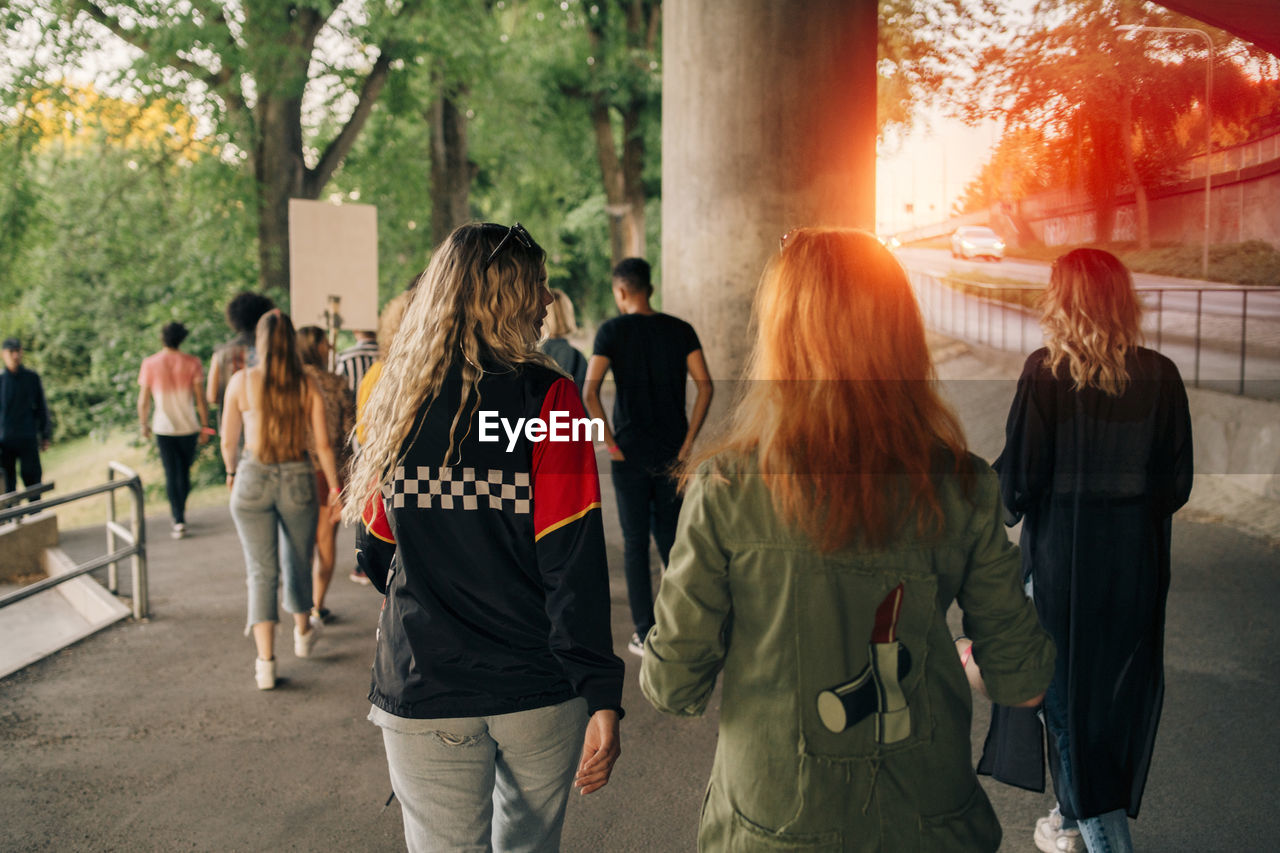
{"points": [[1097, 458]]}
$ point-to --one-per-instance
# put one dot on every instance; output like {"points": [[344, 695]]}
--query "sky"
{"points": [[929, 168]]}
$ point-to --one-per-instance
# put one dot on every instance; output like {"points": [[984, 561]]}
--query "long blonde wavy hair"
{"points": [[284, 432], [842, 412], [461, 310], [1091, 319]]}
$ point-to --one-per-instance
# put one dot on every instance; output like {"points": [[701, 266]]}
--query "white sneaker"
{"points": [[304, 643], [179, 531], [1052, 838], [636, 645], [264, 672]]}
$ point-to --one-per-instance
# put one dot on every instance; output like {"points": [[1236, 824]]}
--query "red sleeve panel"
{"points": [[569, 538], [374, 516], [566, 486], [375, 542]]}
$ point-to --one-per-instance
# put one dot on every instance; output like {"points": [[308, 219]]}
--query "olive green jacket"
{"points": [[746, 594]]}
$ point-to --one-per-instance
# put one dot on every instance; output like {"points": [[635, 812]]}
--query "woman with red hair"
{"points": [[821, 542]]}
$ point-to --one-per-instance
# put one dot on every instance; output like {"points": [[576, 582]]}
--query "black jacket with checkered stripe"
{"points": [[492, 562]]}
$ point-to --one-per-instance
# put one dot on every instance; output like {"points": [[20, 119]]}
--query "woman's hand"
{"points": [[964, 647], [600, 749]]}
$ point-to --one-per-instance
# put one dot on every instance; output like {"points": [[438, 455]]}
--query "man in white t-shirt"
{"points": [[174, 381]]}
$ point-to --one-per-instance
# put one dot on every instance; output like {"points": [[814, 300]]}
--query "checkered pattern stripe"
{"points": [[424, 487]]}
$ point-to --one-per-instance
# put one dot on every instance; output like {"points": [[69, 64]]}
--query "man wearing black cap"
{"points": [[25, 426]]}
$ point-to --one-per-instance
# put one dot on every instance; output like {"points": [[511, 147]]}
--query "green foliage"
{"points": [[518, 76], [1253, 262], [118, 242], [108, 232]]}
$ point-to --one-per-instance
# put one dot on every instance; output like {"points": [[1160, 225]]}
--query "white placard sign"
{"points": [[333, 252]]}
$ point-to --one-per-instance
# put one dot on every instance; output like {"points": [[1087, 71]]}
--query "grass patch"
{"points": [[984, 286], [1254, 262], [1251, 263], [82, 462]]}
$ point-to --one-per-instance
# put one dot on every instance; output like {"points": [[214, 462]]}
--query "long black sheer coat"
{"points": [[1095, 479]]}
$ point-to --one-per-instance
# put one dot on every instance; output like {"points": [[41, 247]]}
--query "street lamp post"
{"points": [[1208, 112]]}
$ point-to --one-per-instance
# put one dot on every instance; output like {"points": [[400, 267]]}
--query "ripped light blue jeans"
{"points": [[1107, 832], [275, 511], [479, 784]]}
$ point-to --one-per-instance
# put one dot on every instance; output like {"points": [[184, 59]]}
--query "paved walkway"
{"points": [[152, 736]]}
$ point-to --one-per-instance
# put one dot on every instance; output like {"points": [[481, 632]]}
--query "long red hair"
{"points": [[842, 414]]}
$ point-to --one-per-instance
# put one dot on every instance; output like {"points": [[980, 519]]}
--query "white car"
{"points": [[976, 241]]}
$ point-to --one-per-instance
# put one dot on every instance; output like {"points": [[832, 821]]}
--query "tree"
{"points": [[922, 45], [248, 67], [1115, 101], [603, 57], [1023, 163], [128, 223]]}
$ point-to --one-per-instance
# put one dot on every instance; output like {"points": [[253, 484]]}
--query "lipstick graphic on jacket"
{"points": [[877, 689]]}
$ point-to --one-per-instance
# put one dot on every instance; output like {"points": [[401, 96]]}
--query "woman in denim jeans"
{"points": [[273, 486], [494, 680]]}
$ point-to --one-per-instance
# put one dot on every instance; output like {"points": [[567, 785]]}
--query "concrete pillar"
{"points": [[768, 123]]}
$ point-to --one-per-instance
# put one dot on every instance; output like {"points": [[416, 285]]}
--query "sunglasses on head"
{"points": [[515, 233]]}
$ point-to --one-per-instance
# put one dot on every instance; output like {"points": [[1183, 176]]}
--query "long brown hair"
{"points": [[464, 309], [842, 414], [283, 431], [1091, 319], [311, 341]]}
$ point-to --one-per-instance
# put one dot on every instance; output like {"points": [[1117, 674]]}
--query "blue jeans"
{"points": [[478, 784], [1106, 833], [647, 502], [268, 500]]}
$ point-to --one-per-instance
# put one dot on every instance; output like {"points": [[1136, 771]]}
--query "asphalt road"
{"points": [[152, 736], [1209, 349]]}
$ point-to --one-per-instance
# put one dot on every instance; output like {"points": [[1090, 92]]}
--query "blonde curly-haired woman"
{"points": [[1096, 460], [494, 679]]}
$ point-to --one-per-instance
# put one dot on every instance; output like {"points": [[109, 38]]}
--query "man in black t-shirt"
{"points": [[650, 354]]}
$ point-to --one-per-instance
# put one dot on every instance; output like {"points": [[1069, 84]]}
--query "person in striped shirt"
{"points": [[354, 361]]}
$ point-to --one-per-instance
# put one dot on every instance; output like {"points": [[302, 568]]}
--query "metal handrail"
{"points": [[135, 536], [987, 299], [8, 499]]}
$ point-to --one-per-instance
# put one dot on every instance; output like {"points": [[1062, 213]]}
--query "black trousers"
{"points": [[24, 452], [648, 503], [177, 452]]}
